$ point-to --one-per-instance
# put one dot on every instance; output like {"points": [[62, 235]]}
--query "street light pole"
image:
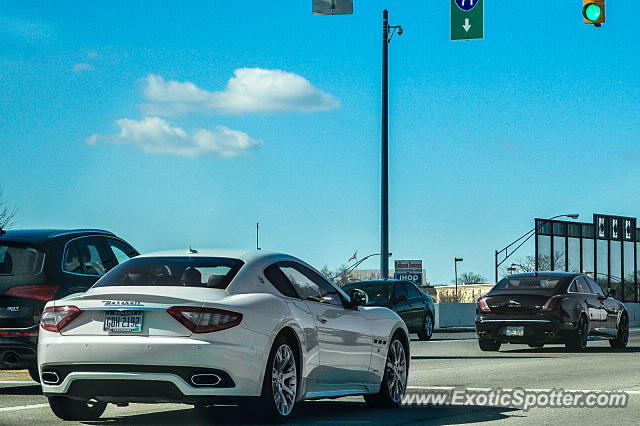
{"points": [[384, 208], [257, 235], [455, 267], [528, 235]]}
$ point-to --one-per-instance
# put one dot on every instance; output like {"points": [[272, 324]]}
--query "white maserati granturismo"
{"points": [[218, 327]]}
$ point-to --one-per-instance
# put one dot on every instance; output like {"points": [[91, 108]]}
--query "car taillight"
{"points": [[40, 292], [551, 303], [482, 305], [204, 320], [55, 319]]}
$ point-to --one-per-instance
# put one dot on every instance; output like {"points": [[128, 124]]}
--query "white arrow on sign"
{"points": [[467, 25]]}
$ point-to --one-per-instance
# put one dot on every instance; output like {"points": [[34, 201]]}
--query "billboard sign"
{"points": [[409, 270]]}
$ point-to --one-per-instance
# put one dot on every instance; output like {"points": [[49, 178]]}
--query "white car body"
{"points": [[342, 350]]}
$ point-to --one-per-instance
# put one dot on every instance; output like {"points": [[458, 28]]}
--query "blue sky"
{"points": [[178, 124]]}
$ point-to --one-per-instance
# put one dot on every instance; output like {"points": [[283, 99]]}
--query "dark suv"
{"points": [[45, 264]]}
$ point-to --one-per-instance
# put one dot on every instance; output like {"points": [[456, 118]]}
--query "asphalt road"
{"points": [[450, 360]]}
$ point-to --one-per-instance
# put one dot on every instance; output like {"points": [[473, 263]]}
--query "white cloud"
{"points": [[78, 68], [156, 136], [250, 90]]}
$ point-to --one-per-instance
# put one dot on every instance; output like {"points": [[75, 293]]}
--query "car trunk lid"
{"points": [[117, 310], [515, 303]]}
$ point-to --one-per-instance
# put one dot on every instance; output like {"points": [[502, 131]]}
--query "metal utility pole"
{"points": [[455, 267], [384, 208], [257, 235]]}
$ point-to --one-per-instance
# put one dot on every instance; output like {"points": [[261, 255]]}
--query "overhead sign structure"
{"points": [[467, 19], [409, 270], [332, 7]]}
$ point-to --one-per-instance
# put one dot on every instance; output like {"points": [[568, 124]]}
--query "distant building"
{"points": [[467, 293]]}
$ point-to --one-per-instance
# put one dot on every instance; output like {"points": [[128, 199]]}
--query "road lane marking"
{"points": [[23, 407], [18, 382], [448, 388]]}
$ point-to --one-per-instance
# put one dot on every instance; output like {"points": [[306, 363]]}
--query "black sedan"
{"points": [[413, 305], [550, 307]]}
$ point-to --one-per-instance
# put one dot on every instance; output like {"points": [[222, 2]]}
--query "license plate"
{"points": [[123, 321], [514, 331]]}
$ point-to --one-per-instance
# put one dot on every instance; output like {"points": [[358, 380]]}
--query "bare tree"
{"points": [[471, 278], [528, 263], [341, 276], [7, 212]]}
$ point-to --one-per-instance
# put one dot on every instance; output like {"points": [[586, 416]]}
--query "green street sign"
{"points": [[467, 19]]}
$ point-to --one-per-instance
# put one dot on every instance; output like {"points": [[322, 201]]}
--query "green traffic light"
{"points": [[592, 12]]}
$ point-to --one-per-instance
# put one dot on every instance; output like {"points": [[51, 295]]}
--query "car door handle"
{"points": [[322, 319]]}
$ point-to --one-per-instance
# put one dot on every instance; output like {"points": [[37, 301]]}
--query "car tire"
{"points": [[536, 345], [394, 380], [578, 340], [426, 332], [276, 403], [35, 374], [487, 345], [72, 409], [623, 334]]}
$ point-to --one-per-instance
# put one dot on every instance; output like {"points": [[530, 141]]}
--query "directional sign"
{"points": [[467, 19]]}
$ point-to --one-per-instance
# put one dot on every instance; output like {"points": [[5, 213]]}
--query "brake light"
{"points": [[19, 333], [57, 318], [482, 305], [551, 303], [204, 320], [40, 292]]}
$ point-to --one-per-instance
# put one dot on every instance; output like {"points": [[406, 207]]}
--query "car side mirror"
{"points": [[358, 297]]}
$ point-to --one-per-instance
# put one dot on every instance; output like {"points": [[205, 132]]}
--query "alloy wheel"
{"points": [[428, 325], [396, 371], [284, 379]]}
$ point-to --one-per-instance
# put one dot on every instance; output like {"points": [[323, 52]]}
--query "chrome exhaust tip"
{"points": [[50, 378], [205, 379]]}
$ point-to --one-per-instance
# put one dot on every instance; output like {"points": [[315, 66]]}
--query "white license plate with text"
{"points": [[514, 331], [123, 321]]}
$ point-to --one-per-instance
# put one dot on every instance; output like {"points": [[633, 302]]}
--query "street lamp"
{"points": [[355, 265], [384, 208], [455, 267], [528, 235]]}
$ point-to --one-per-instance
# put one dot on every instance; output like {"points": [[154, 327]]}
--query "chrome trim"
{"points": [[64, 251], [75, 231], [21, 329], [514, 320], [121, 308], [206, 375], [50, 382]]}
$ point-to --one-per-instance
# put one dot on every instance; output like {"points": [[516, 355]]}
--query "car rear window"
{"points": [[210, 272], [528, 283], [20, 261]]}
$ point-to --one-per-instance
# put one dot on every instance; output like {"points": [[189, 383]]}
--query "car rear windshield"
{"points": [[20, 260], [209, 272], [377, 292], [529, 283]]}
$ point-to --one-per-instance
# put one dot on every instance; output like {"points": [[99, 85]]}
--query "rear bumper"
{"points": [[535, 330], [18, 352], [152, 369]]}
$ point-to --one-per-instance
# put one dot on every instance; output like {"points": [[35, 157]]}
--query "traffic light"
{"points": [[593, 12]]}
